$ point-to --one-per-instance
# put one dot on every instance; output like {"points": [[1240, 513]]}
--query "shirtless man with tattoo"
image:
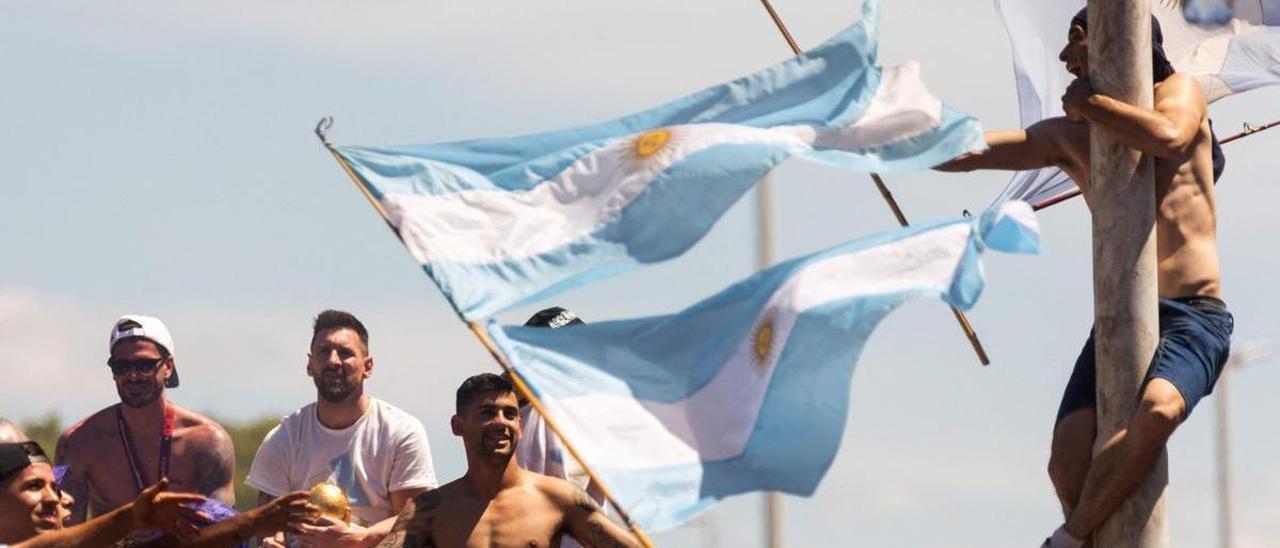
{"points": [[1195, 326], [117, 452], [497, 504]]}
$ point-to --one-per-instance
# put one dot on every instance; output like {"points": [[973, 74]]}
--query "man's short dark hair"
{"points": [[338, 319], [478, 385]]}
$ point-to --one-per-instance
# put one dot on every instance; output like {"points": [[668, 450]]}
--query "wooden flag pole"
{"points": [[888, 198], [521, 388]]}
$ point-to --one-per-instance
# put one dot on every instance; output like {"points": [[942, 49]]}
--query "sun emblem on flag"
{"points": [[762, 343], [651, 147]]}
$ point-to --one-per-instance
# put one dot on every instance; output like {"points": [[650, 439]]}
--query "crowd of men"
{"points": [[148, 472], [380, 456]]}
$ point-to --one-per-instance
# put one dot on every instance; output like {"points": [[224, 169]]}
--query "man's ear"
{"points": [[168, 365], [308, 365], [368, 366], [455, 423]]}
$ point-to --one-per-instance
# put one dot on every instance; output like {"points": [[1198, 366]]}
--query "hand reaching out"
{"points": [[155, 509], [284, 513], [1074, 99]]}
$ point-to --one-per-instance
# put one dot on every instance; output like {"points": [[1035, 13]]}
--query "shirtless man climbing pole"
{"points": [[1195, 327], [496, 504]]}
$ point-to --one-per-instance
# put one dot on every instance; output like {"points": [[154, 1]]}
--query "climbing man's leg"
{"points": [[1127, 458], [1070, 455]]}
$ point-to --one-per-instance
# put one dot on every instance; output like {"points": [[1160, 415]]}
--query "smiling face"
{"points": [[339, 363], [1076, 53], [29, 504], [489, 425], [141, 379]]}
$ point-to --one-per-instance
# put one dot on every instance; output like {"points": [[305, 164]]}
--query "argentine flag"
{"points": [[747, 390], [497, 223], [1243, 54]]}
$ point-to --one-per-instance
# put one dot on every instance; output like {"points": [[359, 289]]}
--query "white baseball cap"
{"points": [[146, 327]]}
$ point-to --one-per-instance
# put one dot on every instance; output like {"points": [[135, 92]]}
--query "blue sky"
{"points": [[158, 159]]}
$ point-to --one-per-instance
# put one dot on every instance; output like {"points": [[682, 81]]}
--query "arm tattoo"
{"points": [[597, 535], [582, 501], [215, 479], [413, 527]]}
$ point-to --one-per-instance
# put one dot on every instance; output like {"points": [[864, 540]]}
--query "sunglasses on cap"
{"points": [[146, 366]]}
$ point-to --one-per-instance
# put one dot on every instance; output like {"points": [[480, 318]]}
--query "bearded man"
{"points": [[118, 452], [376, 453]]}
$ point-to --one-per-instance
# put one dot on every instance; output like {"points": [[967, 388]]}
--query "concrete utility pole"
{"points": [[1122, 201]]}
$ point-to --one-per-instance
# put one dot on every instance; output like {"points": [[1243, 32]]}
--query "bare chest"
{"points": [[515, 521], [113, 477]]}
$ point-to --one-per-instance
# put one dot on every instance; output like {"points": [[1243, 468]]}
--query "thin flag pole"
{"points": [[322, 129], [1248, 131], [528, 394], [888, 198]]}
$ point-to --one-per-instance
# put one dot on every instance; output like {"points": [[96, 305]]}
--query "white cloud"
{"points": [[53, 350]]}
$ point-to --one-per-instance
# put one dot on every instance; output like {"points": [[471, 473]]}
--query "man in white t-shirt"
{"points": [[376, 453], [540, 450]]}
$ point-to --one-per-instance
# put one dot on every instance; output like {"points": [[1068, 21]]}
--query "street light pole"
{"points": [[1248, 352], [764, 259], [1122, 202], [1224, 458]]}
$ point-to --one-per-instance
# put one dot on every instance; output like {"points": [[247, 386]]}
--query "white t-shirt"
{"points": [[385, 450]]}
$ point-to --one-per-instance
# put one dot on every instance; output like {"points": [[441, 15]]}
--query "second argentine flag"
{"points": [[501, 222], [747, 390]]}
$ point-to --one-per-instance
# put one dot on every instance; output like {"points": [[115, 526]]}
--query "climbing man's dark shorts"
{"points": [[1195, 340]]}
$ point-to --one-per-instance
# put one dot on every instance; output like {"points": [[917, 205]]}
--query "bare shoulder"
{"points": [[200, 431], [1180, 87], [583, 518], [201, 425], [431, 500], [566, 495], [88, 431], [1060, 128], [1063, 142]]}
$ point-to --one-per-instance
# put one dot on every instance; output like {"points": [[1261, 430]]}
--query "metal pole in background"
{"points": [[1248, 352], [1124, 261], [1224, 460], [764, 259]]}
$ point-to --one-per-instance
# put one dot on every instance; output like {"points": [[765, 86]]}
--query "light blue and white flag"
{"points": [[747, 390], [1240, 56], [501, 222]]}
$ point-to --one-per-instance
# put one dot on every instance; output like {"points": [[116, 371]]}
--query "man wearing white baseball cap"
{"points": [[117, 452]]}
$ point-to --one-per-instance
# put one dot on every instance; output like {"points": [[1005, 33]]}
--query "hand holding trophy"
{"points": [[331, 500]]}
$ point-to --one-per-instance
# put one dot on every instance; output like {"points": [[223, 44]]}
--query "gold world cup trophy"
{"points": [[331, 500]]}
